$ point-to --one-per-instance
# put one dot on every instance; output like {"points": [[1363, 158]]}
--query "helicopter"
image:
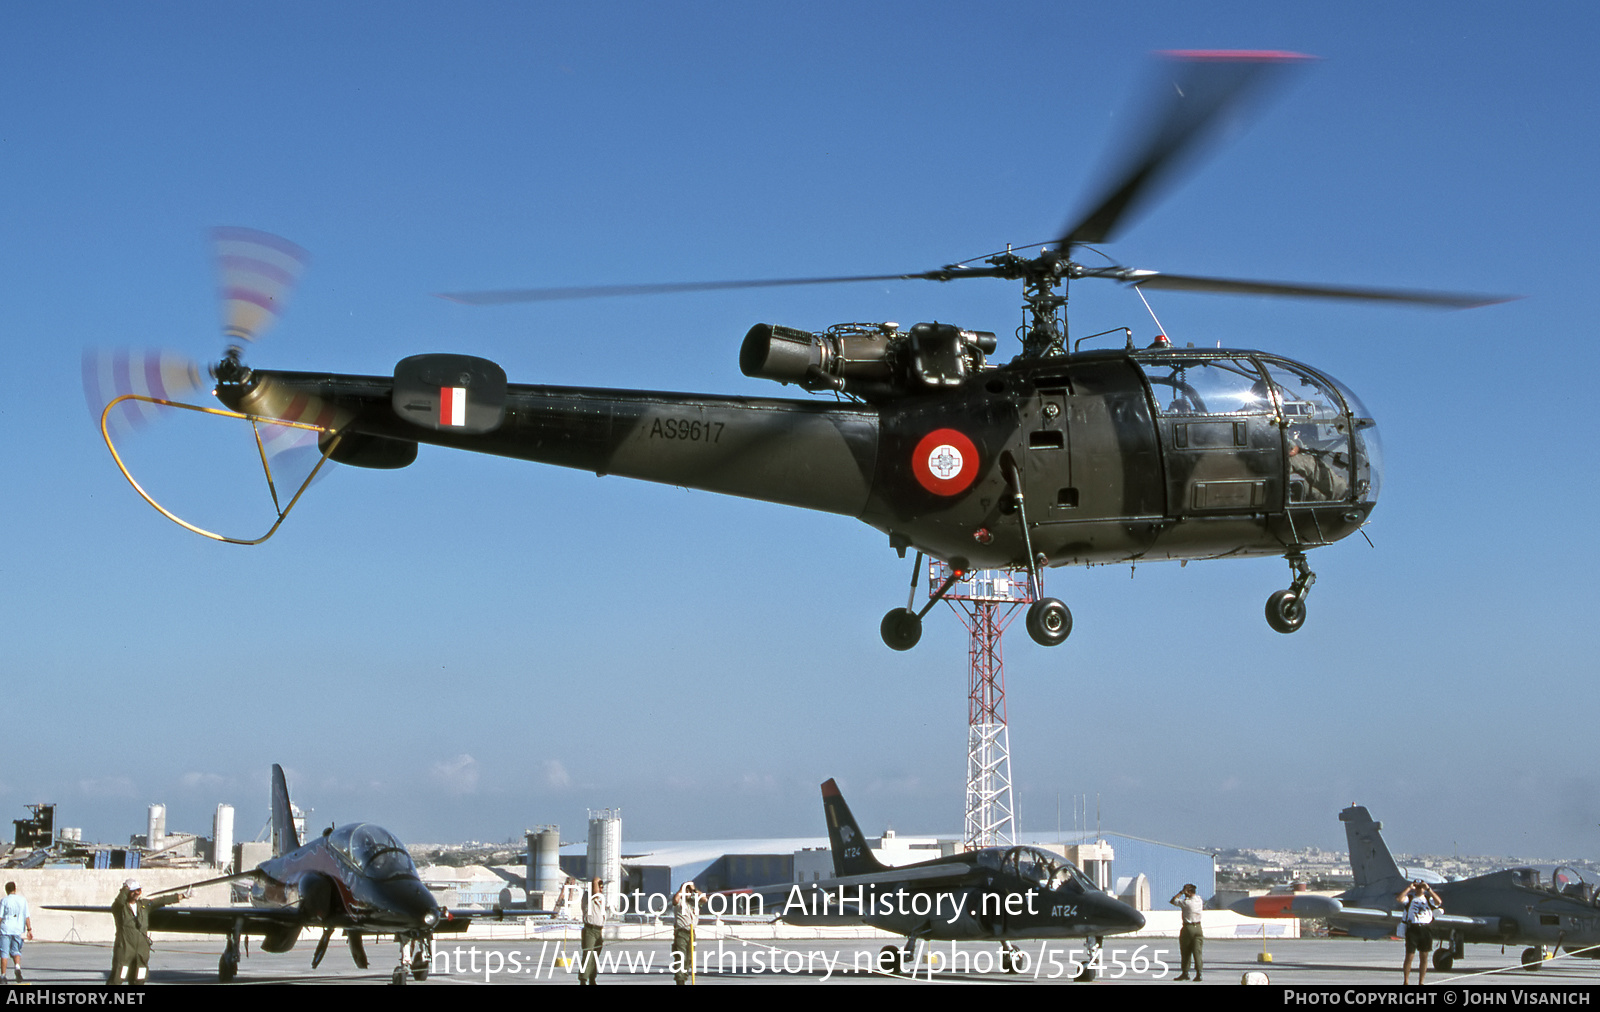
{"points": [[1060, 457]]}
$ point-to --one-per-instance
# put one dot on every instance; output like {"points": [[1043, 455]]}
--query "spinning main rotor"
{"points": [[1202, 91]]}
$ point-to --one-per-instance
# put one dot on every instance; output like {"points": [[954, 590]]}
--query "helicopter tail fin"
{"points": [[284, 836], [1370, 860], [851, 855]]}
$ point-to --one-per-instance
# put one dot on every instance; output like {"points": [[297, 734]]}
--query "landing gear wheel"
{"points": [[227, 969], [1443, 960], [890, 958], [1008, 960], [901, 629], [399, 975], [1049, 622], [419, 967], [1532, 958], [1286, 612]]}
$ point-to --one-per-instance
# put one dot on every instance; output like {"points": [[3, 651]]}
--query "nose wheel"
{"points": [[1286, 609]]}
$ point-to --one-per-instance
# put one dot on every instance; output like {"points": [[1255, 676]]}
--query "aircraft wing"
{"points": [[456, 921], [1391, 919], [210, 920], [779, 896]]}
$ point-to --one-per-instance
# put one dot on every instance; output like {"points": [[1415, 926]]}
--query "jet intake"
{"points": [[318, 897]]}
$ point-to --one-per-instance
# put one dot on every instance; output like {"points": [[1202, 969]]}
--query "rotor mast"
{"points": [[1045, 332]]}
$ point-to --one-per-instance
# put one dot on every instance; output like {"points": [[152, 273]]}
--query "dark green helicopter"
{"points": [[1062, 456]]}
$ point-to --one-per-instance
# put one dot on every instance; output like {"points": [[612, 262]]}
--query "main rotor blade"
{"points": [[1194, 283], [1201, 87], [505, 296]]}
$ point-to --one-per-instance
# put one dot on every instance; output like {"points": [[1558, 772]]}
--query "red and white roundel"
{"points": [[945, 462]]}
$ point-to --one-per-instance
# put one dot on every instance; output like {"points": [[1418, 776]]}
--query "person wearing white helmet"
{"points": [[130, 953]]}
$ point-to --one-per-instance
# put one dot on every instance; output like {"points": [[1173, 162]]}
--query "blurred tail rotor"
{"points": [[257, 270], [109, 373], [125, 389]]}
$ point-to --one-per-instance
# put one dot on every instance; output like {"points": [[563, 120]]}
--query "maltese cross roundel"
{"points": [[945, 462]]}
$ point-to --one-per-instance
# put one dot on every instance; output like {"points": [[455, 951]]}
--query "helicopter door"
{"points": [[1091, 446], [1223, 450], [1047, 464]]}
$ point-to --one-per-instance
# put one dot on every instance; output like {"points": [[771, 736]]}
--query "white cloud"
{"points": [[556, 775], [456, 776]]}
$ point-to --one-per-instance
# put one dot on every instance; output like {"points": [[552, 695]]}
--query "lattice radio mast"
{"points": [[986, 601]]}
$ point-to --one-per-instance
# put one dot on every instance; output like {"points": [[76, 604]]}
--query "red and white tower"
{"points": [[986, 601]]}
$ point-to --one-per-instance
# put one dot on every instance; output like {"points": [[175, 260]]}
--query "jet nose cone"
{"points": [[1135, 920], [1119, 917], [413, 898]]}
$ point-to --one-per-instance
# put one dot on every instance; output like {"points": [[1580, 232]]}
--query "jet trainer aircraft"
{"points": [[998, 893], [1530, 906], [357, 877]]}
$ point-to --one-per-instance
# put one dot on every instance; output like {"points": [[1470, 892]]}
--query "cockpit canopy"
{"points": [[1561, 880], [373, 850], [1330, 438], [1038, 869]]}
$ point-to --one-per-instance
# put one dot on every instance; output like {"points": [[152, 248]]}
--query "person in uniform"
{"points": [[593, 903], [686, 915], [1191, 939], [1420, 903], [130, 953]]}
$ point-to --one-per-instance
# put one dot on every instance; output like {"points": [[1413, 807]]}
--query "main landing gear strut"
{"points": [[902, 628], [1286, 609], [228, 965], [1049, 620]]}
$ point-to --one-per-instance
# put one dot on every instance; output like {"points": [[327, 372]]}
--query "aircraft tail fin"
{"points": [[284, 836], [1370, 860], [851, 855]]}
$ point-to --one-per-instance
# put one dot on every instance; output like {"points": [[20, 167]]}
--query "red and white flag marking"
{"points": [[452, 405]]}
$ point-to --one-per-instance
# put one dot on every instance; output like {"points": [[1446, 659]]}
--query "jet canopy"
{"points": [[1038, 869], [373, 850], [1560, 880]]}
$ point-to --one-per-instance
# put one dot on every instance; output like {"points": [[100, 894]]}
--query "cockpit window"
{"points": [[1369, 450], [1316, 435], [373, 850], [1571, 882], [1219, 386], [1045, 871]]}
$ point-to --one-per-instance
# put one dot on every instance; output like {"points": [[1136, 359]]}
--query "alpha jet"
{"points": [[355, 877], [1536, 907], [1001, 894]]}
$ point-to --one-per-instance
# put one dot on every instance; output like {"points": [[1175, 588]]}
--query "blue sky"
{"points": [[470, 646]]}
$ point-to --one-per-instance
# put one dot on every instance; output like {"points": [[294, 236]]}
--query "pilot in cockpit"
{"points": [[1315, 475]]}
